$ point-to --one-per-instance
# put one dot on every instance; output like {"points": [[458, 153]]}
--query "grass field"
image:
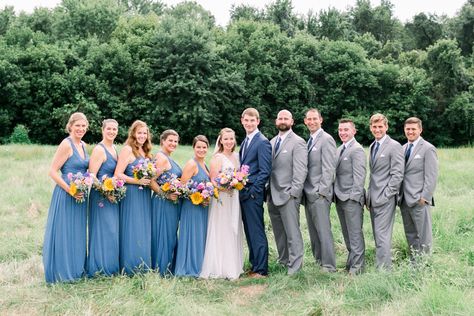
{"points": [[442, 286]]}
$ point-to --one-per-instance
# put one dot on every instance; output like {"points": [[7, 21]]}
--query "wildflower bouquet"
{"points": [[233, 179], [80, 183], [145, 168], [112, 189], [170, 183], [200, 193]]}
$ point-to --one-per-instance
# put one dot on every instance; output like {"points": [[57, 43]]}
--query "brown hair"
{"points": [[414, 120], [345, 120], [132, 141], [76, 116], [107, 121], [219, 144], [313, 110], [167, 133], [200, 138], [251, 112], [377, 117]]}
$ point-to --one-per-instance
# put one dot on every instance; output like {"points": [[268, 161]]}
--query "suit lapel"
{"points": [[250, 146], [381, 150], [345, 153], [317, 140], [283, 143], [415, 151]]}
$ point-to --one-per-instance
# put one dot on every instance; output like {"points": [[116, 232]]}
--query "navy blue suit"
{"points": [[258, 156]]}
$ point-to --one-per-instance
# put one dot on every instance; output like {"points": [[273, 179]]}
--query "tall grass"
{"points": [[442, 285]]}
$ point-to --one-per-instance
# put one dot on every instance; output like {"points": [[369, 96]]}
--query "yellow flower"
{"points": [[73, 189], [239, 186], [216, 193], [108, 184], [135, 176], [196, 198], [165, 187]]}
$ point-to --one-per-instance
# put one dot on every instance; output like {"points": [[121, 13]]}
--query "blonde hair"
{"points": [[251, 112], [132, 140], [107, 121], [377, 117], [219, 145], [76, 116]]}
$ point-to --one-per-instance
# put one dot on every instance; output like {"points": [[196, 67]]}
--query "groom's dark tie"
{"points": [[244, 145]]}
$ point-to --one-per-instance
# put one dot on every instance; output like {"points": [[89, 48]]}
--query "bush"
{"points": [[19, 135]]}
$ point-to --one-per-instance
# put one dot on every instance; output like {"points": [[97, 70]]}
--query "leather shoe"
{"points": [[255, 275]]}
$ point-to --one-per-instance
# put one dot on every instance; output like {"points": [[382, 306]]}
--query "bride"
{"points": [[223, 256]]}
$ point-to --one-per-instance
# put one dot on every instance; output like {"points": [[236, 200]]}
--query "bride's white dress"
{"points": [[223, 256]]}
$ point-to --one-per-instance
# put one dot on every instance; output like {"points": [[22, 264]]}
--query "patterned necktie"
{"points": [[408, 152], [342, 150], [277, 145], [310, 142], [375, 149]]}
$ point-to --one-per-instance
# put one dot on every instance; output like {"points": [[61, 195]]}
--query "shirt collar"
{"points": [[251, 135], [284, 135]]}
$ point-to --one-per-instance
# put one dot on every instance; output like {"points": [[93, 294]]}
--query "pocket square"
{"points": [[345, 158], [417, 157], [284, 151], [313, 149], [382, 155]]}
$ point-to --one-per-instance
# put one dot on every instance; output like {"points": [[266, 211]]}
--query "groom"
{"points": [[256, 152]]}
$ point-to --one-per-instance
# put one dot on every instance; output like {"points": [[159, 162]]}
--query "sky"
{"points": [[403, 9]]}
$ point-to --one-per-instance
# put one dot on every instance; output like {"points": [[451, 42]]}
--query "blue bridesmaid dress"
{"points": [[164, 227], [192, 234], [103, 227], [64, 247], [135, 227]]}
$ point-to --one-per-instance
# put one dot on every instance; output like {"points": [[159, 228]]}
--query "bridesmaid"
{"points": [[165, 212], [135, 208], [193, 221], [103, 215], [64, 248]]}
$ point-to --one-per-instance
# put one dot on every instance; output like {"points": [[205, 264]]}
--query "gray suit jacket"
{"points": [[421, 173], [321, 168], [289, 169], [386, 172], [350, 173]]}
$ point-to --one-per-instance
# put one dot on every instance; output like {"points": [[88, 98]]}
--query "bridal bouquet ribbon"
{"points": [[80, 183], [200, 193], [233, 178], [111, 188], [170, 183]]}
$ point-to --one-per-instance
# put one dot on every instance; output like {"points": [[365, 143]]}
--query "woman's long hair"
{"points": [[132, 141]]}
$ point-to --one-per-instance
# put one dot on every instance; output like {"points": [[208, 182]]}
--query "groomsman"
{"points": [[386, 174], [289, 169], [256, 152], [349, 194], [318, 190], [418, 186]]}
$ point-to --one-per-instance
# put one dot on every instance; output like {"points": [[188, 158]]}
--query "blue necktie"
{"points": [[310, 142], [244, 146], [277, 145], [375, 149], [408, 152], [342, 150]]}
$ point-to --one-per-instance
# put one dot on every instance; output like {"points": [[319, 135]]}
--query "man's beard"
{"points": [[283, 127]]}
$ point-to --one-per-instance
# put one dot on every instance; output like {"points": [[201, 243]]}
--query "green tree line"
{"points": [[173, 67]]}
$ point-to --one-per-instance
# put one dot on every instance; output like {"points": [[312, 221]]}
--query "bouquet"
{"points": [[170, 183], [233, 179], [80, 183], [110, 188], [145, 168], [200, 193]]}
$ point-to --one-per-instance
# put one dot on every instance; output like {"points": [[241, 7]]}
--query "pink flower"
{"points": [[69, 176], [101, 204]]}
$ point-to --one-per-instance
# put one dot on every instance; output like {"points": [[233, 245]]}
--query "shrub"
{"points": [[19, 135]]}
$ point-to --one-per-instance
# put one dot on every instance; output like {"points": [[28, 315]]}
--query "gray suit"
{"points": [[289, 169], [386, 175], [318, 192], [421, 172], [350, 197]]}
